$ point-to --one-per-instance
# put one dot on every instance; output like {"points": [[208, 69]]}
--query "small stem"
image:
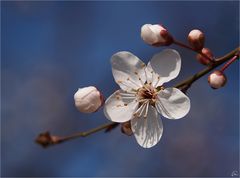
{"points": [[46, 139], [89, 132], [229, 63], [192, 49]]}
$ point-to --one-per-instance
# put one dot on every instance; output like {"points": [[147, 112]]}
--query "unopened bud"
{"points": [[196, 39], [88, 99], [126, 128], [156, 35], [202, 59], [217, 79], [46, 139]]}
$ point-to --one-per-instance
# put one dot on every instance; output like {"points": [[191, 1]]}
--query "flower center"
{"points": [[147, 93]]}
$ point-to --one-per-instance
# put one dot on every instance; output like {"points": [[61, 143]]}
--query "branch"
{"points": [[186, 84], [46, 139]]}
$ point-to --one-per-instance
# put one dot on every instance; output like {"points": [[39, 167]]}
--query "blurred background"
{"points": [[50, 49]]}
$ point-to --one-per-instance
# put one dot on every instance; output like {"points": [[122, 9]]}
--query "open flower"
{"points": [[142, 95]]}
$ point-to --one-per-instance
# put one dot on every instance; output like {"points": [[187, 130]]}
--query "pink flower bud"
{"points": [[126, 128], [203, 60], [217, 79], [196, 39], [156, 35], [88, 99]]}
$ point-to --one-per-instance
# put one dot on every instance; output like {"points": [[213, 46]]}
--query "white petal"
{"points": [[166, 64], [147, 131], [172, 103], [128, 70], [152, 77], [116, 111]]}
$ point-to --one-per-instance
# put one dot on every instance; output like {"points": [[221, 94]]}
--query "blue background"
{"points": [[50, 49]]}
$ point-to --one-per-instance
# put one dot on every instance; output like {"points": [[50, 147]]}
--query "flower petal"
{"points": [[128, 70], [119, 108], [166, 64], [152, 77], [172, 103], [147, 131]]}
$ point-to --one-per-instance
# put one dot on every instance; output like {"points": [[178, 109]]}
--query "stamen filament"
{"points": [[128, 79], [140, 109], [146, 111], [157, 82], [139, 115]]}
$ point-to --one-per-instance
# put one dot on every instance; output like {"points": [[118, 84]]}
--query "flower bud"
{"points": [[156, 35], [217, 79], [126, 128], [203, 60], [196, 39], [88, 99]]}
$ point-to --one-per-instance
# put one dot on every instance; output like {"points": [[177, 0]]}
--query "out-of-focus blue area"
{"points": [[50, 49]]}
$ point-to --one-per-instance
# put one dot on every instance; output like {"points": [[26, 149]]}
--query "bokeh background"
{"points": [[50, 49]]}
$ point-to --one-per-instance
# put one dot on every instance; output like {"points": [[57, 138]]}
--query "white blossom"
{"points": [[142, 95]]}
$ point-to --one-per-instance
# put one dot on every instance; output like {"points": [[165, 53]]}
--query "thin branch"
{"points": [[46, 139], [192, 49], [186, 84]]}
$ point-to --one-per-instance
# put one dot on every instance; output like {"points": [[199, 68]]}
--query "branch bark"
{"points": [[186, 84]]}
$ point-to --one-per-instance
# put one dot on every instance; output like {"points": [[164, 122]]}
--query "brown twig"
{"points": [[186, 84], [192, 49], [46, 139]]}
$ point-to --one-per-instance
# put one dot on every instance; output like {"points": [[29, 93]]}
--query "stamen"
{"points": [[146, 111], [128, 97], [142, 100], [145, 72], [121, 82], [163, 108], [152, 75], [136, 113], [157, 82], [127, 94], [128, 79], [143, 65], [139, 115]]}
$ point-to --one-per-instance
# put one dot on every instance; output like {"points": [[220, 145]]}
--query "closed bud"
{"points": [[156, 35], [217, 79], [88, 99], [126, 128], [203, 60], [196, 39]]}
